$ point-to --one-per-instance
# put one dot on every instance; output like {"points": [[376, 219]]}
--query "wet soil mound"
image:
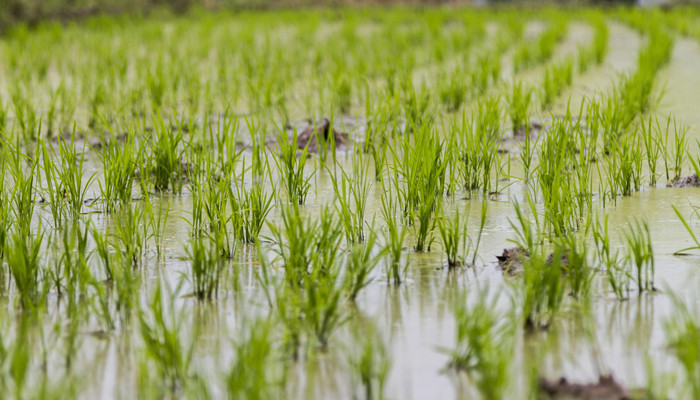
{"points": [[511, 261], [686, 181], [324, 130], [606, 388]]}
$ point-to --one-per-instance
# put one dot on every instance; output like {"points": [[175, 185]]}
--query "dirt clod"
{"points": [[511, 261], [686, 181], [324, 129], [607, 388]]}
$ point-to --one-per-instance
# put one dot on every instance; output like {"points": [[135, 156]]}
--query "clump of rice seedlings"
{"points": [[484, 343], [486, 72], [321, 304], [157, 219], [291, 167], [361, 262], [72, 264], [164, 351], [519, 99], [394, 236], [250, 207], [131, 232], [25, 265], [600, 39], [653, 148], [557, 77], [641, 254], [416, 105], [205, 270], [165, 161], [679, 150], [119, 163], [576, 266], [69, 176], [369, 360], [351, 197], [543, 288], [25, 116], [561, 193], [625, 166], [256, 372], [453, 90], [616, 272], [683, 336], [478, 146], [453, 234]]}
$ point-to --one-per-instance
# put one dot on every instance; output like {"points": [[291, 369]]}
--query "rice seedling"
{"points": [[119, 163], [370, 361], [479, 142], [394, 236], [131, 232], [23, 257], [641, 254], [256, 372], [543, 289], [576, 266], [360, 264], [519, 99], [453, 90], [167, 149], [206, 268], [351, 196], [616, 271], [683, 333], [291, 167], [600, 39], [453, 234], [484, 343], [164, 350]]}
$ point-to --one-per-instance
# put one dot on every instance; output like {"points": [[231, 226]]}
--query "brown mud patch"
{"points": [[686, 182], [607, 388]]}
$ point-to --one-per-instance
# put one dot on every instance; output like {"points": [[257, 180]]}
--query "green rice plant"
{"points": [[653, 148], [600, 39], [256, 371], [131, 232], [351, 197], [616, 272], [103, 251], [207, 265], [416, 105], [479, 141], [528, 235], [119, 163], [680, 147], [157, 215], [23, 192], [485, 73], [519, 99], [360, 263], [641, 254], [291, 167], [72, 263], [625, 161], [165, 158], [321, 305], [543, 288], [453, 90], [160, 328], [369, 360], [557, 77], [250, 208], [560, 193], [453, 234], [25, 265], [394, 236], [484, 343], [576, 266], [683, 338], [25, 116]]}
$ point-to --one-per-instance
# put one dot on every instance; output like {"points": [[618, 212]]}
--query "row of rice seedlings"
{"points": [[596, 51]]}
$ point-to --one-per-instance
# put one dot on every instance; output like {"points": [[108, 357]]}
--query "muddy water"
{"points": [[617, 336]]}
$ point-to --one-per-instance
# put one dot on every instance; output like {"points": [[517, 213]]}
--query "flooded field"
{"points": [[362, 204]]}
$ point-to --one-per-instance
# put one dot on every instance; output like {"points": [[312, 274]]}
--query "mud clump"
{"points": [[308, 138], [686, 181], [533, 130], [511, 261], [607, 388]]}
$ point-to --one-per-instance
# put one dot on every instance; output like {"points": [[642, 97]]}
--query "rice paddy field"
{"points": [[376, 203]]}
